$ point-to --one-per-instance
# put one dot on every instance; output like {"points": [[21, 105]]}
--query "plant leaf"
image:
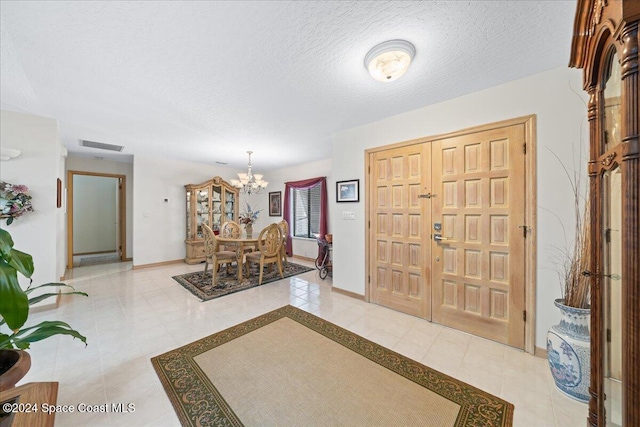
{"points": [[5, 342], [31, 289], [14, 303], [22, 262], [21, 345], [6, 242], [44, 323], [45, 330], [42, 297]]}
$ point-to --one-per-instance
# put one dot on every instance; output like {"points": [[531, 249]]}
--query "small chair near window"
{"points": [[284, 226], [214, 254], [269, 246]]}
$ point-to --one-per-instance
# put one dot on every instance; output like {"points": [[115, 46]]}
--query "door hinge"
{"points": [[525, 229], [607, 235], [524, 315], [369, 224], [608, 335], [369, 279], [524, 148]]}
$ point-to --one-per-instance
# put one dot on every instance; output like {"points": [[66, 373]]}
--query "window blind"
{"points": [[306, 211]]}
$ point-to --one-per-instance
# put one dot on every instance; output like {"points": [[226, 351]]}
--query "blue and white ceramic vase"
{"points": [[568, 351]]}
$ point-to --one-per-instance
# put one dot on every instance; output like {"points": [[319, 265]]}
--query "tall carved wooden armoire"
{"points": [[605, 46]]}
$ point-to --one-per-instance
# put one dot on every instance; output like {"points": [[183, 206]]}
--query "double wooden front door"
{"points": [[447, 231]]}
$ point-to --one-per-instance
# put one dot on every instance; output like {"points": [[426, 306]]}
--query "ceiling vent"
{"points": [[101, 145]]}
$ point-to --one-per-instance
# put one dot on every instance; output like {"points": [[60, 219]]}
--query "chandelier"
{"points": [[249, 183]]}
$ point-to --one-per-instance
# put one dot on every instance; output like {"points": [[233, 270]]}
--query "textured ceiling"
{"points": [[206, 81]]}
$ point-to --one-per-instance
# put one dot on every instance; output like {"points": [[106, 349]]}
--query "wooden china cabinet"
{"points": [[213, 203], [605, 46]]}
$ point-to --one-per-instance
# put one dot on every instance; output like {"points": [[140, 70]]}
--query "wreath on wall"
{"points": [[14, 201]]}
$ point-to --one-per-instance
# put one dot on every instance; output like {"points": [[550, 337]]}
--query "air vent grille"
{"points": [[101, 145]]}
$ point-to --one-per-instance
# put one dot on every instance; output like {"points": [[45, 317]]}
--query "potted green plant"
{"points": [[14, 312]]}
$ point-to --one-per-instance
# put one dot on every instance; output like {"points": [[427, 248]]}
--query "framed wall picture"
{"points": [[348, 191], [275, 203]]}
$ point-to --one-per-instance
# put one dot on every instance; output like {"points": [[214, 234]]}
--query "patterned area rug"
{"points": [[289, 367], [200, 285]]}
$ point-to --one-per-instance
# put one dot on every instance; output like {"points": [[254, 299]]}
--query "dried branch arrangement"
{"points": [[573, 267]]}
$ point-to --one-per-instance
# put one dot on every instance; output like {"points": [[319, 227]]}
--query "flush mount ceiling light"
{"points": [[389, 60]]}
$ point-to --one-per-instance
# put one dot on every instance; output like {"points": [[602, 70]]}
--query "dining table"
{"points": [[240, 243]]}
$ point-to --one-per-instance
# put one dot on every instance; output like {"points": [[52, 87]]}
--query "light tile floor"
{"points": [[132, 315]]}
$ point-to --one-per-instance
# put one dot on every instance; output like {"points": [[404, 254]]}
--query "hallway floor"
{"points": [[133, 315]]}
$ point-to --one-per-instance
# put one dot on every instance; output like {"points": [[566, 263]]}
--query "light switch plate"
{"points": [[346, 215]]}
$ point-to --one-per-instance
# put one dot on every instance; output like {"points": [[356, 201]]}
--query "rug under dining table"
{"points": [[200, 285], [291, 368]]}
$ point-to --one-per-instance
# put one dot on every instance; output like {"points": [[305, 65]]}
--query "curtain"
{"points": [[302, 185]]}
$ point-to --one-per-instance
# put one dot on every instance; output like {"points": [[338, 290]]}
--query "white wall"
{"points": [[159, 228], [83, 164], [94, 214], [561, 126], [302, 247], [39, 233]]}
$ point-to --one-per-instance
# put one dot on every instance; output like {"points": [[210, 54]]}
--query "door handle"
{"points": [[439, 238]]}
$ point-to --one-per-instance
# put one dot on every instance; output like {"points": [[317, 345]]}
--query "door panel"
{"points": [[473, 279], [478, 267], [400, 251]]}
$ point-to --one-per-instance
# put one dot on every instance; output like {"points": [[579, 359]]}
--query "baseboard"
{"points": [[304, 258], [348, 293], [113, 251], [157, 264], [128, 259], [46, 307], [540, 352]]}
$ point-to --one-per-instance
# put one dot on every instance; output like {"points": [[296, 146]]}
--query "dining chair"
{"points": [[284, 226], [234, 230], [269, 245], [231, 229], [213, 254]]}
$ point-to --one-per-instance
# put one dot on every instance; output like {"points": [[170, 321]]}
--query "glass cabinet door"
{"points": [[202, 211], [612, 252], [188, 214], [613, 283], [229, 205], [612, 98], [216, 208]]}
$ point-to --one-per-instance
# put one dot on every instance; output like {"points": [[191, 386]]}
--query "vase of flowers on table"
{"points": [[14, 201], [247, 219]]}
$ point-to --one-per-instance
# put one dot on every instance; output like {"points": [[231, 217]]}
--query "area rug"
{"points": [[227, 283], [291, 368]]}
